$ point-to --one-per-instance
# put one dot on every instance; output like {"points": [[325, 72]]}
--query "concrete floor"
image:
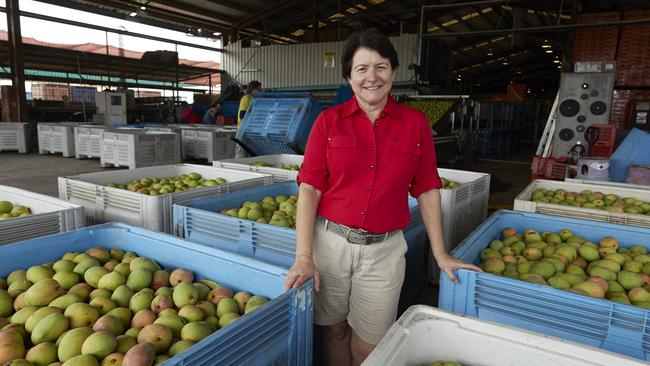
{"points": [[38, 173]]}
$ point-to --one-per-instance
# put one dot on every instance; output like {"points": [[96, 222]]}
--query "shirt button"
{"points": [[367, 188], [372, 167], [372, 146], [363, 212]]}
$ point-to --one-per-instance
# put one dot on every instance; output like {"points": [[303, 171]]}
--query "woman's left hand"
{"points": [[448, 264]]}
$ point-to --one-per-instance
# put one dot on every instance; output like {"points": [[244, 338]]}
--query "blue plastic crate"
{"points": [[278, 333], [597, 322], [278, 123], [199, 221]]}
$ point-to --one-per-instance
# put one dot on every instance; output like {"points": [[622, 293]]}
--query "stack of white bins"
{"points": [[208, 142], [136, 149], [87, 141], [57, 137], [15, 136]]}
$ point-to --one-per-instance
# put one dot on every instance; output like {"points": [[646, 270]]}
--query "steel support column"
{"points": [[16, 59]]}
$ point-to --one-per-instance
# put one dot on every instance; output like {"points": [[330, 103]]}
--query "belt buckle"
{"points": [[360, 232]]}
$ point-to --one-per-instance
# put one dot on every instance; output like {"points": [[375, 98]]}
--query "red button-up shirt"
{"points": [[366, 172]]}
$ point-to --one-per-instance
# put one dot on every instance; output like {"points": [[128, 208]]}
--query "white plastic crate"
{"points": [[104, 204], [424, 334], [87, 141], [279, 175], [523, 203], [463, 209], [49, 216], [15, 136], [207, 143], [136, 149], [607, 183], [56, 137]]}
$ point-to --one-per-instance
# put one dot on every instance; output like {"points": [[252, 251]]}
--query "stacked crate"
{"points": [[633, 58], [596, 44]]}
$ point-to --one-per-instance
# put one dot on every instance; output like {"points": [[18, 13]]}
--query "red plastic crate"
{"points": [[548, 168], [606, 135], [596, 44], [223, 120], [602, 151]]}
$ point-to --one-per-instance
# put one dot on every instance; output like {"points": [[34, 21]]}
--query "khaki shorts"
{"points": [[360, 283]]}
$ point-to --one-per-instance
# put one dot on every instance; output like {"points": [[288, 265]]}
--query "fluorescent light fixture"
{"points": [[143, 8], [549, 51], [546, 45], [504, 63], [556, 61], [216, 34], [132, 14]]}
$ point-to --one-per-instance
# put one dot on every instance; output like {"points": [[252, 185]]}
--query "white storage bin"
{"points": [[279, 175], [136, 149], [104, 204], [49, 216], [56, 137], [607, 183], [207, 143], [15, 136], [87, 141], [424, 334], [463, 209], [523, 203]]}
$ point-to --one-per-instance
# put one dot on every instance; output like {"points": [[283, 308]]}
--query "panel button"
{"points": [[569, 108]]}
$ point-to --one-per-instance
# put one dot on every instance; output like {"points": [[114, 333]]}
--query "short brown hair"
{"points": [[253, 85], [371, 39]]}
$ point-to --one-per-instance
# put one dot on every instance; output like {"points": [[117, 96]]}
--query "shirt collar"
{"points": [[351, 106]]}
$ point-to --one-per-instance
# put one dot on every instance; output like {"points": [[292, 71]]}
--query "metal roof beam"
{"points": [[165, 21], [269, 11], [558, 28], [112, 30]]}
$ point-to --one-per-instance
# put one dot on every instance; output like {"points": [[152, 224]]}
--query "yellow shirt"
{"points": [[244, 103]]}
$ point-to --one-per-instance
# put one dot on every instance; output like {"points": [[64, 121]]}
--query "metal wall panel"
{"points": [[302, 65]]}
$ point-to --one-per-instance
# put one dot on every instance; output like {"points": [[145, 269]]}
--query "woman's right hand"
{"points": [[301, 271]]}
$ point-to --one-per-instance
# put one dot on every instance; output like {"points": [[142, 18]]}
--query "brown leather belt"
{"points": [[355, 236]]}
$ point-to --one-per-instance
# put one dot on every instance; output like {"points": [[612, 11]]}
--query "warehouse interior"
{"points": [[130, 115]]}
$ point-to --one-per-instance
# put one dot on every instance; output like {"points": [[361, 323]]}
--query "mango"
{"points": [[49, 328], [71, 342]]}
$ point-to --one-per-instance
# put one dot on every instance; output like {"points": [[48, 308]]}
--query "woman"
{"points": [[362, 160]]}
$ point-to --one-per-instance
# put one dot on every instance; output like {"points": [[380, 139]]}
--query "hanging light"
{"points": [[556, 61], [549, 51], [143, 8], [504, 62], [546, 44], [490, 52], [132, 14]]}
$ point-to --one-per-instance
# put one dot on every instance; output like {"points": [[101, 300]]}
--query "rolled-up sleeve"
{"points": [[426, 177], [314, 165]]}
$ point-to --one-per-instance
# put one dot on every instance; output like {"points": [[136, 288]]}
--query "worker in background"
{"points": [[210, 116], [244, 104]]}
